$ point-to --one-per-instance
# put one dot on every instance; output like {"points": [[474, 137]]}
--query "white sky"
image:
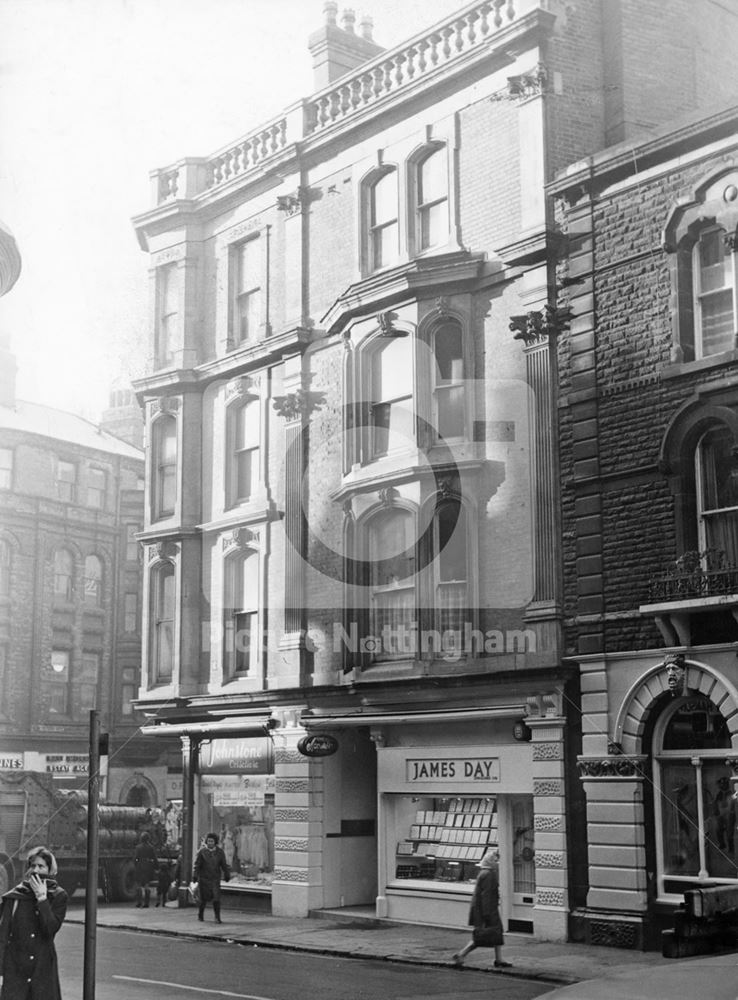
{"points": [[93, 95]]}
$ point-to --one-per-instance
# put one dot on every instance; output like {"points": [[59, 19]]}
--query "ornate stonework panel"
{"points": [[550, 897], [290, 875], [613, 934], [283, 755], [548, 751], [286, 785], [548, 786], [284, 815], [290, 843], [612, 767], [549, 859], [548, 824]]}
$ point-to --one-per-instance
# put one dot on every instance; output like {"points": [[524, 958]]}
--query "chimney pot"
{"points": [[367, 27], [330, 9], [348, 19]]}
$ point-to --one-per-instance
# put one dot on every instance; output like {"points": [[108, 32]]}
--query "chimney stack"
{"points": [[336, 51]]}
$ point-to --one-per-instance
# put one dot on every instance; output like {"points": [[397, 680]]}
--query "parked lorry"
{"points": [[33, 811]]}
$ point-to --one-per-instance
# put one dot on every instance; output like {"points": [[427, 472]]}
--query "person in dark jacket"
{"points": [[210, 862], [484, 913], [145, 867], [30, 916]]}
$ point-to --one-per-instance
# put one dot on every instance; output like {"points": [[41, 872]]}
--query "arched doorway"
{"points": [[694, 809]]}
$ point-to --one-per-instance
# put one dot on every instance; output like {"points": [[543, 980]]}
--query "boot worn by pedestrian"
{"points": [[147, 897], [201, 913], [216, 910], [499, 964]]}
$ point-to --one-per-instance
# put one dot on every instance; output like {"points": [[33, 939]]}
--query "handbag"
{"points": [[486, 937], [173, 892], [194, 891]]}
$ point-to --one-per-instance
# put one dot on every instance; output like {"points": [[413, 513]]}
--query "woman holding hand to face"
{"points": [[30, 916]]}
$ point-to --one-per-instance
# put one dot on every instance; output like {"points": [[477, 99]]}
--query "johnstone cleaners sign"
{"points": [[234, 756], [453, 769]]}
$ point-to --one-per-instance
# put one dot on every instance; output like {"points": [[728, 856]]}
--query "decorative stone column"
{"points": [[297, 887], [548, 727], [295, 407], [617, 901]]}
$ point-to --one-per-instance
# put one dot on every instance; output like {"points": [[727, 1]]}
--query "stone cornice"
{"points": [[240, 362], [388, 287], [619, 161]]}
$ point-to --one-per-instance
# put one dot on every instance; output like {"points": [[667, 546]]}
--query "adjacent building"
{"points": [[353, 574], [647, 416], [71, 506]]}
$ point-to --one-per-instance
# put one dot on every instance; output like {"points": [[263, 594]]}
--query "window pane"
{"points": [[131, 613], [680, 829], [93, 580], [394, 378], [391, 548], [451, 528], [66, 475], [248, 595], [719, 812], [451, 416], [248, 266], [244, 624], [385, 245], [63, 570], [434, 225], [247, 426], [718, 326], [127, 694], [166, 460], [432, 178], [449, 357], [393, 613], [384, 199], [169, 289], [165, 624], [714, 262]]}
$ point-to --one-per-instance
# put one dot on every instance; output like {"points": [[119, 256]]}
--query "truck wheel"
{"points": [[122, 882], [7, 879]]}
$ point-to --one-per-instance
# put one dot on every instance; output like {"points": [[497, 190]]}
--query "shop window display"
{"points": [[444, 837], [240, 809]]}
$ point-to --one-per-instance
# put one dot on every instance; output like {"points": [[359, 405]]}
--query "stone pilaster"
{"points": [[297, 887], [549, 810], [617, 898]]}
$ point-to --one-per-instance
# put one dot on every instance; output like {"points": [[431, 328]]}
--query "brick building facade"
{"points": [[351, 526], [647, 417], [71, 505]]}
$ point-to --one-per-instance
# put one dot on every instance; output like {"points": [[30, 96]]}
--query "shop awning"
{"points": [[374, 718], [249, 725]]}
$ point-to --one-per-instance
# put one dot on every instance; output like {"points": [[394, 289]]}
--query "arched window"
{"points": [[391, 394], [162, 623], [241, 613], [392, 565], [164, 466], [93, 581], [432, 200], [713, 270], [244, 460], [716, 471], [694, 805], [5, 567], [63, 575], [383, 221], [450, 572], [448, 383]]}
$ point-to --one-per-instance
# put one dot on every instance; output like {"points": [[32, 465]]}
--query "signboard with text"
{"points": [[237, 756], [454, 770]]}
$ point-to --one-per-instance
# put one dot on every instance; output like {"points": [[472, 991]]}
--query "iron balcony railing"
{"points": [[696, 574]]}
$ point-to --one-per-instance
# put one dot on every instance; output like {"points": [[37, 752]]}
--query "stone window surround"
{"points": [[406, 156], [712, 202]]}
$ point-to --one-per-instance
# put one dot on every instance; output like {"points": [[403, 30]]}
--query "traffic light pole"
{"points": [[93, 797]]}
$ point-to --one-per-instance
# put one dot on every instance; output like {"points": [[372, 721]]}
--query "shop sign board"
{"points": [[318, 745], [11, 761], [456, 770], [67, 763], [237, 756]]}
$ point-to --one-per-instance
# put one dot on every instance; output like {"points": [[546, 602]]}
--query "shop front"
{"points": [[443, 805]]}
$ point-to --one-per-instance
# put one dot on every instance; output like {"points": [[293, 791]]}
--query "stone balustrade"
{"points": [[386, 75]]}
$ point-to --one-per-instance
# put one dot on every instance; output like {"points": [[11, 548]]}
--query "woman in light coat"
{"points": [[30, 916]]}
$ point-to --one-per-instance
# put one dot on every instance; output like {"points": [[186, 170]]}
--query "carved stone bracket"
{"points": [[298, 404], [613, 767], [524, 85], [243, 388], [388, 495], [537, 326], [293, 203], [448, 486], [163, 404], [547, 705], [442, 306], [162, 550], [386, 324], [239, 538]]}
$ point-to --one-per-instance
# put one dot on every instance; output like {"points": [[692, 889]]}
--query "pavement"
{"points": [[588, 972]]}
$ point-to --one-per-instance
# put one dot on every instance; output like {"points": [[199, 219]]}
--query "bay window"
{"points": [[162, 623]]}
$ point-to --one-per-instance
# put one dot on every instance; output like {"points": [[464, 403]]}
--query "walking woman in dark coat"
{"points": [[145, 864], [30, 916], [484, 914], [209, 863]]}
